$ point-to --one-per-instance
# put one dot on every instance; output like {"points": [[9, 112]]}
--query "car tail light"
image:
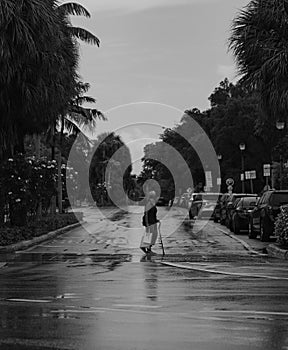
{"points": [[270, 212]]}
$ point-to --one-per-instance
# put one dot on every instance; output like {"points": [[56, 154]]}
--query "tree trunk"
{"points": [[37, 138], [59, 167], [2, 203], [53, 199]]}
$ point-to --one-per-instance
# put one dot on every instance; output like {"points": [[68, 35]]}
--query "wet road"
{"points": [[92, 289]]}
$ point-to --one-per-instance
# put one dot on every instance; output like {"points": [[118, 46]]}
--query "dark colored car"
{"points": [[230, 206], [217, 210], [203, 205], [263, 216], [194, 205], [241, 215], [222, 207], [162, 201]]}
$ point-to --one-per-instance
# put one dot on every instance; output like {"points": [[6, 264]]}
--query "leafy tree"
{"points": [[259, 43], [110, 148]]}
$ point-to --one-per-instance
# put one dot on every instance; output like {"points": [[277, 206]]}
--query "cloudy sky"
{"points": [[170, 52]]}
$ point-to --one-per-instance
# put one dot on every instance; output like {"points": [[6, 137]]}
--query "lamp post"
{"points": [[280, 125], [242, 147], [219, 180]]}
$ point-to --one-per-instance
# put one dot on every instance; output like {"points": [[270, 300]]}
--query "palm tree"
{"points": [[74, 121], [38, 60], [259, 43], [75, 116]]}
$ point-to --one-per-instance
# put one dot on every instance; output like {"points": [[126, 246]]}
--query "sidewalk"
{"points": [[277, 252]]}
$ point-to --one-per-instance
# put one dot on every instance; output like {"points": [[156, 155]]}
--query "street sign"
{"points": [[208, 176], [230, 181], [242, 177], [253, 174], [266, 170], [250, 175]]}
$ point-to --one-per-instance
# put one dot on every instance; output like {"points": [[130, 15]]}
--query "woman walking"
{"points": [[150, 221]]}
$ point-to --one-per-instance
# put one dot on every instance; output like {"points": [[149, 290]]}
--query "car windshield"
{"points": [[278, 199], [211, 197], [249, 202]]}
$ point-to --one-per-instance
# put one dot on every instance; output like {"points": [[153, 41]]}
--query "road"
{"points": [[92, 288]]}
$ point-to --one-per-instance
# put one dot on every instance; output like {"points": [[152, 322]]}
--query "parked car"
{"points": [[216, 214], [240, 217], [230, 206], [222, 204], [162, 201], [203, 205], [194, 205], [262, 217]]}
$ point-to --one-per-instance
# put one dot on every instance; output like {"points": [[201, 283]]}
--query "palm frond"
{"points": [[75, 9], [84, 35], [82, 99]]}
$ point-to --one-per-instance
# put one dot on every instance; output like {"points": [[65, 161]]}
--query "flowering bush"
{"points": [[11, 235], [25, 183], [281, 227]]}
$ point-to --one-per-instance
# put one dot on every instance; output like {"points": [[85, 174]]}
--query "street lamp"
{"points": [[280, 125], [242, 147], [219, 180]]}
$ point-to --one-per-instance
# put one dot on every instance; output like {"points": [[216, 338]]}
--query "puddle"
{"points": [[119, 215], [102, 262]]}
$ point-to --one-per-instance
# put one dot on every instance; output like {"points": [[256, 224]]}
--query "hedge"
{"points": [[281, 227], [13, 234]]}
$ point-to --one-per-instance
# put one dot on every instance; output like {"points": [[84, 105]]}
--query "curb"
{"points": [[29, 243], [239, 240], [277, 252]]}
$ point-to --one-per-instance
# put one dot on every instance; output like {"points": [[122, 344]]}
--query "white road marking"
{"points": [[271, 313], [140, 306], [29, 300], [239, 274], [76, 311]]}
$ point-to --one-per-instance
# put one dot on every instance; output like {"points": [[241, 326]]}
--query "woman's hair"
{"points": [[152, 194]]}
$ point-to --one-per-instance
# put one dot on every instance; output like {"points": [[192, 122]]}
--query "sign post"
{"points": [[230, 183], [266, 172], [251, 175]]}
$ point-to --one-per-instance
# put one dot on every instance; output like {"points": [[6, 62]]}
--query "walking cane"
{"points": [[163, 252]]}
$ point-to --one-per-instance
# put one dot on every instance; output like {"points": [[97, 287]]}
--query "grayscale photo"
{"points": [[144, 175]]}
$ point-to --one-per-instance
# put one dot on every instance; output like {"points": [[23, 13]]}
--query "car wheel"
{"points": [[265, 231], [236, 226], [251, 232]]}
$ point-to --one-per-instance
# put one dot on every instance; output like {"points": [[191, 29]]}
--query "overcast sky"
{"points": [[170, 52]]}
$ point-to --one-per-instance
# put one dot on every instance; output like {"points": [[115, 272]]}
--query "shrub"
{"points": [[24, 182], [13, 234], [281, 227]]}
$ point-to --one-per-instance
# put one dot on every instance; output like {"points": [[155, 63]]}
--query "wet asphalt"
{"points": [[92, 288]]}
